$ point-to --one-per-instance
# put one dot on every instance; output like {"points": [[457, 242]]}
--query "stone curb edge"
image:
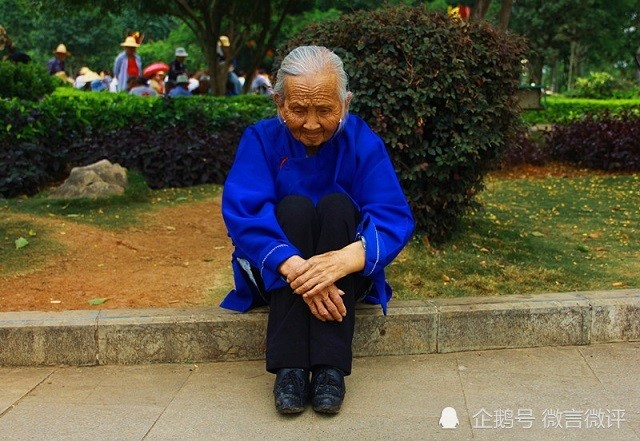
{"points": [[181, 335]]}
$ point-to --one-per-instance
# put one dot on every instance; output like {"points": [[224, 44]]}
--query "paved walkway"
{"points": [[547, 393]]}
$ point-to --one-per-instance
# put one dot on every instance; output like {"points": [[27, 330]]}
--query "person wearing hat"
{"points": [[178, 67], [157, 82], [222, 47], [127, 64], [182, 86], [56, 64]]}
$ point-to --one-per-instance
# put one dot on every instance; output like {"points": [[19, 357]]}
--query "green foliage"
{"points": [[602, 85], [164, 50], [25, 81], [563, 110], [533, 236], [603, 33], [439, 91], [172, 142]]}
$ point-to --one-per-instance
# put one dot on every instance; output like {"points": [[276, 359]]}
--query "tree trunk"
{"points": [[479, 9], [535, 69], [265, 41], [504, 14], [637, 59], [572, 64]]}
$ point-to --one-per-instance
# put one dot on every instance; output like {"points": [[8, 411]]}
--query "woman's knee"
{"points": [[337, 205], [296, 212]]}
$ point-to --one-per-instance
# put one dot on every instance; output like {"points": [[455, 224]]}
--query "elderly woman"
{"points": [[315, 212]]}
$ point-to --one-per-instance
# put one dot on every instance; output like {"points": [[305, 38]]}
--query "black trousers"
{"points": [[295, 338]]}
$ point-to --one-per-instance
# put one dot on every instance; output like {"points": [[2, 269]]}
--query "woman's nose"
{"points": [[311, 122]]}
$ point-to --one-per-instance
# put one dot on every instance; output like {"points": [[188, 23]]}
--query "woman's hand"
{"points": [[328, 305], [315, 275], [315, 279]]}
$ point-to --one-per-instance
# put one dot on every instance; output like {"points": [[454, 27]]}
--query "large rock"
{"points": [[93, 181]]}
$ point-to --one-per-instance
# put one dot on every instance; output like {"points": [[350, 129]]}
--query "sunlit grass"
{"points": [[111, 212], [533, 236]]}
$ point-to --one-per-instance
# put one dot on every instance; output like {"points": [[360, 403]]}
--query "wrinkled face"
{"points": [[311, 107]]}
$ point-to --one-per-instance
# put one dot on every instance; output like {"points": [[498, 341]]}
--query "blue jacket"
{"points": [[270, 164], [120, 69]]}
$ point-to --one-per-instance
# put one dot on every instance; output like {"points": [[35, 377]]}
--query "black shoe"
{"points": [[291, 390], [327, 390]]}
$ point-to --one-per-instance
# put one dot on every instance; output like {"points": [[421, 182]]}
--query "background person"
{"points": [[181, 87], [127, 63], [141, 87], [178, 65], [56, 64], [315, 212], [157, 82]]}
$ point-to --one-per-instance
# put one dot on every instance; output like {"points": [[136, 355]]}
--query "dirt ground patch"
{"points": [[180, 257]]}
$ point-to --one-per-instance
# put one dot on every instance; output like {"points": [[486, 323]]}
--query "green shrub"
{"points": [[602, 85], [562, 110], [439, 91], [172, 142], [25, 81]]}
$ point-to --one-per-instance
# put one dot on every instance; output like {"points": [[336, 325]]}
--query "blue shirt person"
{"points": [[315, 212], [182, 86]]}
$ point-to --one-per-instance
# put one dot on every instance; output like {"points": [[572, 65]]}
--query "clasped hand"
{"points": [[314, 279]]}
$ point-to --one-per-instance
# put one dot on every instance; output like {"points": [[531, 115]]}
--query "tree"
{"points": [[240, 20], [559, 34]]}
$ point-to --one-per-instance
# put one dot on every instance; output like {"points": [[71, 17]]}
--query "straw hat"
{"points": [[224, 41], [62, 49], [129, 42]]}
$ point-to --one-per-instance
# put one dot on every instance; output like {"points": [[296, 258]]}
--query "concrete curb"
{"points": [[168, 335]]}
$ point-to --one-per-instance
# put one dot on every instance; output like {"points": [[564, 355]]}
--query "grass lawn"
{"points": [[108, 213], [533, 236]]}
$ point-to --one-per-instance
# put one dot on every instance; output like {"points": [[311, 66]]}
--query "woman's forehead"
{"points": [[321, 85]]}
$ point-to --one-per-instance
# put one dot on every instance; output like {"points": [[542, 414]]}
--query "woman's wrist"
{"points": [[289, 265]]}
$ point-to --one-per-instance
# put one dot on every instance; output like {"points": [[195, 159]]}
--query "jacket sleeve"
{"points": [[248, 208], [387, 222]]}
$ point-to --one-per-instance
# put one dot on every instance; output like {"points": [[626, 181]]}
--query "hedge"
{"points": [[438, 90], [173, 142], [29, 81], [562, 110]]}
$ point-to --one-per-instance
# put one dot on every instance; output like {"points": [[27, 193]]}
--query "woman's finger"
{"points": [[322, 309], [314, 310], [333, 308], [336, 298]]}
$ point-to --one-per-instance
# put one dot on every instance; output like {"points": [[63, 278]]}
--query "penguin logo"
{"points": [[449, 418]]}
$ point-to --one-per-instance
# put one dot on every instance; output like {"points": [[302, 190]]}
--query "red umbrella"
{"points": [[154, 68]]}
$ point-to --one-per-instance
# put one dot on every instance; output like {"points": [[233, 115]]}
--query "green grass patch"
{"points": [[39, 246], [113, 212], [533, 236]]}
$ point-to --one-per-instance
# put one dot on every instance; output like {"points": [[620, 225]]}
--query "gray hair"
{"points": [[311, 59]]}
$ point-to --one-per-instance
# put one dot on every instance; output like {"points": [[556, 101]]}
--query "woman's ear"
{"points": [[279, 102], [347, 102]]}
